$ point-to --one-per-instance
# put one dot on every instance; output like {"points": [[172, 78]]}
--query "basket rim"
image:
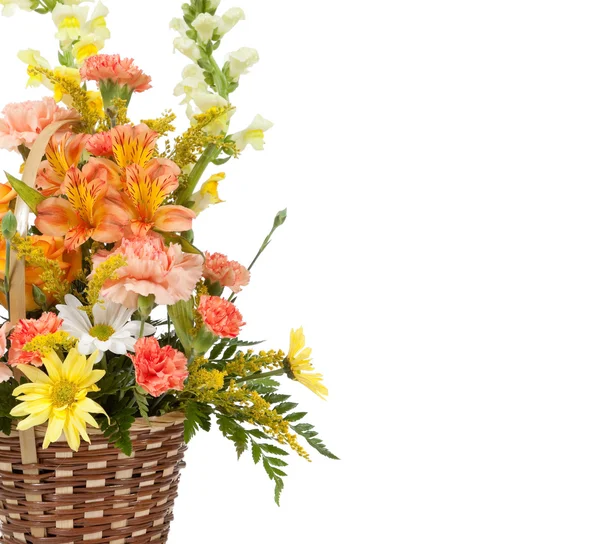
{"points": [[140, 424]]}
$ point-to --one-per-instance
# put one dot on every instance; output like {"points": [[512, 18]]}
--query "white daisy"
{"points": [[111, 331]]}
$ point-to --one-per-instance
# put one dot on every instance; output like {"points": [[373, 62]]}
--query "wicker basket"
{"points": [[96, 495]]}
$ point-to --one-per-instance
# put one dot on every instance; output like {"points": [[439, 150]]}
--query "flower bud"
{"points": [[9, 226]]}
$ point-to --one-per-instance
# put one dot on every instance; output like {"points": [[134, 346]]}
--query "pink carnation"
{"points": [[152, 269], [228, 273], [157, 370], [23, 121], [114, 68], [100, 144], [220, 316], [25, 331]]}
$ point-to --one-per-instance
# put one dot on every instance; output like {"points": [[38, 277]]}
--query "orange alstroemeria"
{"points": [[86, 213], [133, 144], [7, 195], [105, 170], [54, 249], [145, 195], [61, 154]]}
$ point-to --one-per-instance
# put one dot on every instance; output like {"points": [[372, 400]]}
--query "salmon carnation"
{"points": [[228, 273], [152, 269], [24, 121], [123, 72], [25, 331], [100, 144], [158, 370], [220, 316]]}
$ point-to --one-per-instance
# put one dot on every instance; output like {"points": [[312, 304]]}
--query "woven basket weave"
{"points": [[96, 495]]}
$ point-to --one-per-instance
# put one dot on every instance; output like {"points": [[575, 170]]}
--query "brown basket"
{"points": [[96, 495]]}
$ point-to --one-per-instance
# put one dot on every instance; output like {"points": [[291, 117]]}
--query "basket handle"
{"points": [[17, 286]]}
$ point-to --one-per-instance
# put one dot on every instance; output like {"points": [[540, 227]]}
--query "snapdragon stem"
{"points": [[278, 372], [209, 155]]}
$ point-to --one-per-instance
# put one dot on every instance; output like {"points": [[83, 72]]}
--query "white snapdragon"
{"points": [[179, 25], [192, 82], [70, 21], [33, 57], [254, 135], [87, 46], [187, 46], [10, 7], [241, 60], [97, 23], [203, 101], [229, 19], [206, 24], [212, 4]]}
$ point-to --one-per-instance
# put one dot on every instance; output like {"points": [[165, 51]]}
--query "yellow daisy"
{"points": [[60, 397], [298, 366]]}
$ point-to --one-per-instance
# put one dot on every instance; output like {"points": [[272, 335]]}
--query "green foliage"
{"points": [[197, 416], [141, 399], [233, 431], [7, 403], [118, 380], [307, 431], [117, 429], [272, 465]]}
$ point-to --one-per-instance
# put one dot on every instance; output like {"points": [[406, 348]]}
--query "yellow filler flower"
{"points": [[60, 397], [298, 366]]}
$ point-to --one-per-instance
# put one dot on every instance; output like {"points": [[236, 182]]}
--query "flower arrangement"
{"points": [[127, 316]]}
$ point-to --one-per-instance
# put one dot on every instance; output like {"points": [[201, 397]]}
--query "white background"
{"points": [[440, 164]]}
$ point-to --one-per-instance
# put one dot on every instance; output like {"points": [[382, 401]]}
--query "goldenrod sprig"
{"points": [[52, 275]]}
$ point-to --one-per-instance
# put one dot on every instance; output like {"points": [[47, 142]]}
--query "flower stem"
{"points": [[209, 155]]}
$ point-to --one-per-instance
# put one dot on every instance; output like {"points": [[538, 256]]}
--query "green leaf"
{"points": [[217, 349], [234, 432], [6, 425], [117, 430], [273, 450], [244, 343], [275, 461], [258, 434], [196, 417], [306, 431], [285, 407], [141, 399], [29, 195], [228, 353], [278, 490], [256, 452], [274, 398], [296, 416]]}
